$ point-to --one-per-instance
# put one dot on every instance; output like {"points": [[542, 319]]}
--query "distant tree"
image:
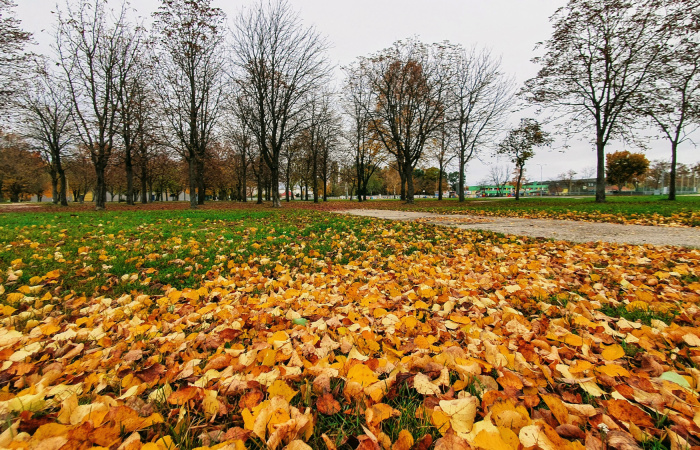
{"points": [[441, 150], [94, 47], [410, 83], [519, 145], [453, 180], [189, 61], [12, 42], [672, 99], [134, 105], [365, 148], [481, 97], [21, 169], [568, 178], [657, 173], [46, 109], [624, 167], [279, 63], [498, 177], [601, 54]]}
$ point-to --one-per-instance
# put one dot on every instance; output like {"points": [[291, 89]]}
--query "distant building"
{"points": [[526, 190]]}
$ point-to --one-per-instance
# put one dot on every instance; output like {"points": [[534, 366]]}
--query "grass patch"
{"points": [[635, 315]]}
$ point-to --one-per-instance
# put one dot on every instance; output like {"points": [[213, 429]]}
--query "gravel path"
{"points": [[551, 229]]}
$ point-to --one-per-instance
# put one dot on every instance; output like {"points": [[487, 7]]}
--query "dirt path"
{"points": [[550, 229]]}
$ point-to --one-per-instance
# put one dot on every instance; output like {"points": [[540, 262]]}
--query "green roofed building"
{"points": [[530, 189]]}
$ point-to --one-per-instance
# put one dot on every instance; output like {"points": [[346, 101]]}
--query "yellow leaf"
{"points": [[210, 405], [613, 352], [461, 412], [362, 374], [640, 305], [613, 370], [441, 421], [557, 407], [375, 414], [489, 440], [281, 388], [404, 442], [573, 340], [424, 386]]}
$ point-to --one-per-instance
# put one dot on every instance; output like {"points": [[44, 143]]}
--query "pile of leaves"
{"points": [[319, 331], [679, 219]]}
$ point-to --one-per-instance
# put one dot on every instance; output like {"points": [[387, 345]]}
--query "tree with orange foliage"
{"points": [[624, 167], [409, 82]]}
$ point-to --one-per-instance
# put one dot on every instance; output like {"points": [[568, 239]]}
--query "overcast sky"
{"points": [[510, 28]]}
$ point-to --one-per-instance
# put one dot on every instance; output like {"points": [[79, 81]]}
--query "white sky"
{"points": [[510, 28]]}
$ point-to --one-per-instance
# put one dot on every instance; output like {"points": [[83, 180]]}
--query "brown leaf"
{"points": [[450, 441], [423, 443], [569, 431], [236, 433], [251, 399], [627, 412], [151, 374], [184, 395], [621, 440], [327, 405]]}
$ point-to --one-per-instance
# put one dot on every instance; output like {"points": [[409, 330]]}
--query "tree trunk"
{"points": [[314, 182], [517, 183], [129, 167], [201, 187], [461, 176], [192, 167], [409, 184], [62, 187], [275, 183], [402, 177], [100, 187], [672, 176], [244, 197], [54, 187], [144, 184], [440, 184], [600, 177]]}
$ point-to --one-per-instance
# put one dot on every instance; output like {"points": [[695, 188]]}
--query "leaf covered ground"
{"points": [[633, 210], [298, 329]]}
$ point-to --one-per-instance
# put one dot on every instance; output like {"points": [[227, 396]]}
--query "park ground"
{"points": [[246, 327]]}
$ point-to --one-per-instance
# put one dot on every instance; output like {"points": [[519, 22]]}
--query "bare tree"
{"points": [[672, 99], [600, 55], [190, 67], [410, 84], [279, 62], [358, 102], [134, 107], [317, 119], [442, 151], [483, 96], [12, 42], [498, 176], [329, 133], [47, 110], [94, 46]]}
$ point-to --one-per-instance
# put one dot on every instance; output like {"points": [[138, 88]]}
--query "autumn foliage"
{"points": [[320, 331]]}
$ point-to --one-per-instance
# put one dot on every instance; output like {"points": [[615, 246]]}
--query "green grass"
{"points": [[635, 315], [114, 253]]}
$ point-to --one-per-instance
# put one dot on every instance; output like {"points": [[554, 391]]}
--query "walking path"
{"points": [[551, 229]]}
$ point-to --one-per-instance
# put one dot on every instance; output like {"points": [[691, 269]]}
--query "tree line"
{"points": [[191, 104]]}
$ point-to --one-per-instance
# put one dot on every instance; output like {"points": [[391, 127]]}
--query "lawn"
{"points": [[649, 210], [252, 328], [646, 210]]}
